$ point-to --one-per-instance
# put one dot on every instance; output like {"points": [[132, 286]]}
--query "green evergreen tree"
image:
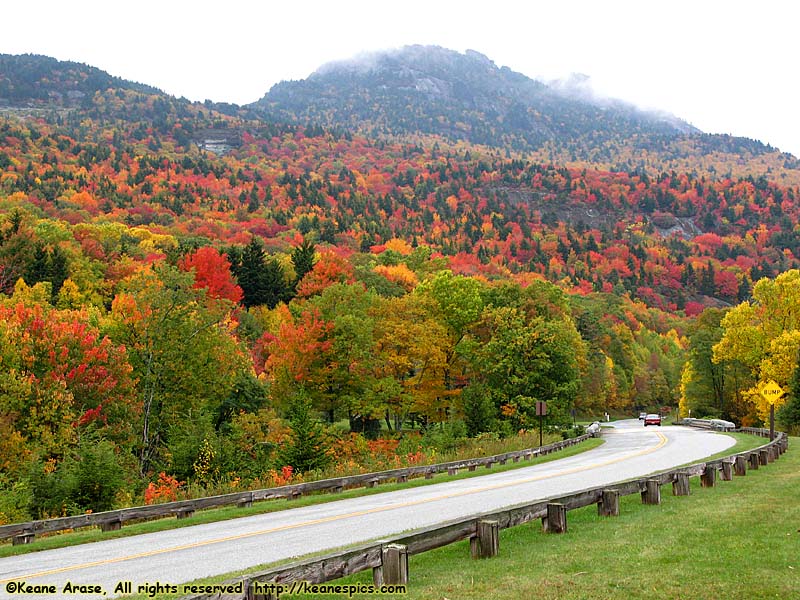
{"points": [[303, 259], [308, 447], [789, 414], [262, 279], [274, 285]]}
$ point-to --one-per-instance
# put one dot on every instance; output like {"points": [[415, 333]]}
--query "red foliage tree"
{"points": [[212, 271]]}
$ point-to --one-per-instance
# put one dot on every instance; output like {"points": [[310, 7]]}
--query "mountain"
{"points": [[430, 90]]}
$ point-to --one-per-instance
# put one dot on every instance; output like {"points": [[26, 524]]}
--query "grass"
{"points": [[701, 547], [88, 535]]}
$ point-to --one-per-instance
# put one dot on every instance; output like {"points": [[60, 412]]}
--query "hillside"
{"points": [[34, 80], [428, 90]]}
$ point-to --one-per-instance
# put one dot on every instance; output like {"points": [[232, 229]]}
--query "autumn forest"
{"points": [[198, 298]]}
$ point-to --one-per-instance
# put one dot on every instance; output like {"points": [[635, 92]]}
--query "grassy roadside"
{"points": [[221, 514], [450, 573], [737, 541]]}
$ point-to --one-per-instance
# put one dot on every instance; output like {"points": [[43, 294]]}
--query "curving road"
{"points": [[190, 553]]}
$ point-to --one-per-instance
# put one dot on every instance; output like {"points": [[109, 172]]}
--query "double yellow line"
{"points": [[109, 561]]}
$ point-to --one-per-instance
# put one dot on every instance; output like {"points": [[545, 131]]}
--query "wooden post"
{"points": [[652, 492], [681, 487], [771, 454], [428, 474], [516, 458], [251, 592], [184, 513], [752, 458], [471, 468], [502, 461], [489, 464], [452, 470], [248, 502], [486, 542], [338, 489], [740, 466], [395, 564], [726, 474], [115, 525], [402, 478], [371, 483], [709, 476], [26, 537], [608, 506], [527, 455], [762, 457], [556, 519]]}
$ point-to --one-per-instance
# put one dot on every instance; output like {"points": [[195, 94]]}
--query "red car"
{"points": [[652, 420]]}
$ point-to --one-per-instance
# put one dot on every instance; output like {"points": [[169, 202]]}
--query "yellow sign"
{"points": [[771, 392]]}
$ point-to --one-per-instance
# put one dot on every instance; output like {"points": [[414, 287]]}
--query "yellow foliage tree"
{"points": [[764, 335]]}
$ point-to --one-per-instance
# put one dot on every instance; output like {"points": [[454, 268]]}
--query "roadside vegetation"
{"points": [[83, 536]]}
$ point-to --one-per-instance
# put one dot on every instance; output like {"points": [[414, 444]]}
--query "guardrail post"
{"points": [[471, 468], [252, 594], [740, 466], [402, 478], [608, 505], [556, 519], [452, 470], [771, 454], [23, 538], [762, 457], [184, 513], [247, 502], [489, 464], [371, 483], [652, 492], [709, 476], [681, 487], [753, 459], [428, 474], [486, 542], [114, 525], [726, 474], [394, 564]]}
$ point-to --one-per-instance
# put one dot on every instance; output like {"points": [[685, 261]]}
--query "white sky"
{"points": [[724, 66]]}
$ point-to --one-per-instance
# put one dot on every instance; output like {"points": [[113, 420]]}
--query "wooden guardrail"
{"points": [[388, 558], [24, 533]]}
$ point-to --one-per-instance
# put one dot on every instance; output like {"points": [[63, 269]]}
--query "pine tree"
{"points": [[303, 259], [308, 447], [789, 413]]}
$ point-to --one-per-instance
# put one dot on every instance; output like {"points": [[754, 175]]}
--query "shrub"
{"points": [[87, 480]]}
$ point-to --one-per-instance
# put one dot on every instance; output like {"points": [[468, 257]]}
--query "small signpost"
{"points": [[541, 412], [771, 392]]}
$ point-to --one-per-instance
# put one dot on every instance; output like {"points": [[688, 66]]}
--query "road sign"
{"points": [[541, 408], [771, 392]]}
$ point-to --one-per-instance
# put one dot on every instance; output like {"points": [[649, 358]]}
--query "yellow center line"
{"points": [[108, 561]]}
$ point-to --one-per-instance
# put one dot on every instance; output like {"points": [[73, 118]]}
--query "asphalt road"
{"points": [[186, 554]]}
